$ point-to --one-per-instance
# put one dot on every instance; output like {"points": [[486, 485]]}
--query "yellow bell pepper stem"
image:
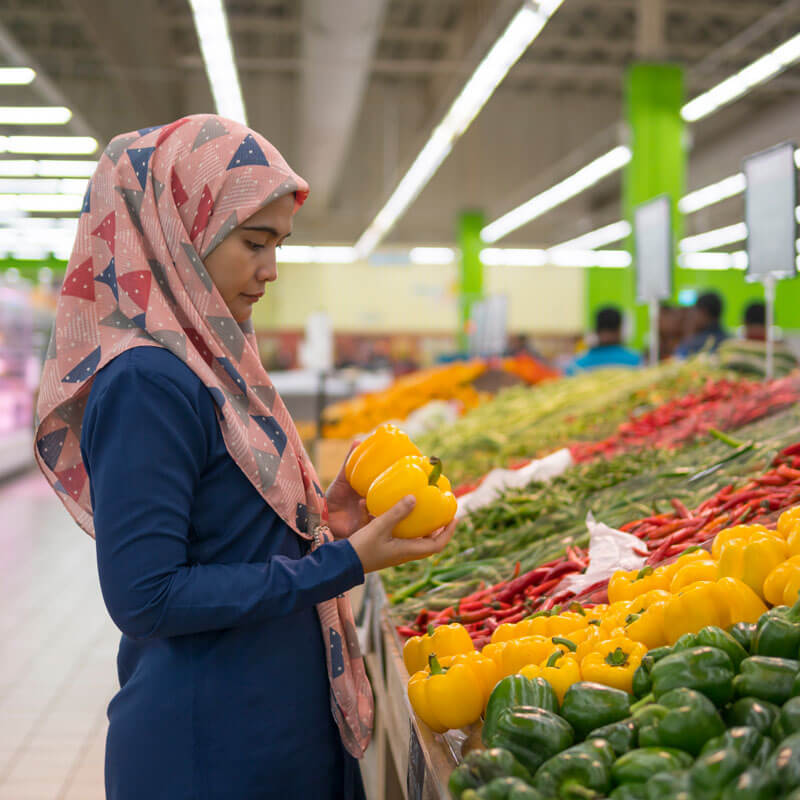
{"points": [[613, 663], [446, 640], [561, 670], [411, 475], [446, 698], [375, 454]]}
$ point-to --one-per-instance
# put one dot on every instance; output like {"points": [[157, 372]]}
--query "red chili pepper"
{"points": [[665, 530], [516, 570], [476, 616], [404, 630], [542, 588], [442, 617], [660, 553], [788, 473], [680, 508], [519, 585]]}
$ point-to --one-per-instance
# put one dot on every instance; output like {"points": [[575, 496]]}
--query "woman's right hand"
{"points": [[377, 548]]}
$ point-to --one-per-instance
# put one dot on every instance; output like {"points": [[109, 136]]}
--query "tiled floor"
{"points": [[57, 650]]}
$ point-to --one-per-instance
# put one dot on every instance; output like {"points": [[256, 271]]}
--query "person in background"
{"points": [[608, 352], [708, 332], [671, 329], [755, 322]]}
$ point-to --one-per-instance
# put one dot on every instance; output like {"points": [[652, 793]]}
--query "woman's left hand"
{"points": [[347, 511]]}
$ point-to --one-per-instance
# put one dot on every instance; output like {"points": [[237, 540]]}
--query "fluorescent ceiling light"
{"points": [[760, 71], [305, 254], [598, 238], [432, 255], [585, 177], [16, 76], [211, 24], [737, 260], [520, 257], [513, 257], [506, 51], [34, 115], [713, 193], [19, 168], [716, 238], [66, 145], [41, 202], [42, 186]]}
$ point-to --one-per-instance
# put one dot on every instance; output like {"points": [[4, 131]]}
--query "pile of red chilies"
{"points": [[664, 536], [723, 404]]}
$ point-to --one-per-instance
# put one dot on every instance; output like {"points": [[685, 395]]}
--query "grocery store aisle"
{"points": [[57, 650]]}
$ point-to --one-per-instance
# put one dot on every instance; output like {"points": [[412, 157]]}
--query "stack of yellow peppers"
{"points": [[647, 608], [386, 467]]}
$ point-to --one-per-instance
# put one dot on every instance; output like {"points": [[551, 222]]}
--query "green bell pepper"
{"points": [[712, 636], [752, 784], [629, 791], [685, 642], [705, 669], [659, 652], [590, 705], [532, 735], [573, 773], [517, 690], [744, 633], [668, 786], [713, 771], [748, 741], [597, 748], [767, 678], [642, 677], [778, 632], [622, 735], [481, 766], [787, 721], [784, 764], [688, 722], [640, 765], [503, 789], [796, 686], [758, 714], [795, 795]]}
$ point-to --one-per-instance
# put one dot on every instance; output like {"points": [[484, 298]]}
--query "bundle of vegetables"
{"points": [[750, 357], [706, 707], [408, 393], [723, 404], [522, 422]]}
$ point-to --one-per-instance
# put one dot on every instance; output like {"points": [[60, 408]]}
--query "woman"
{"points": [[240, 672]]}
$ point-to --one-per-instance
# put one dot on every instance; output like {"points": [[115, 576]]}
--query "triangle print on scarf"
{"points": [[135, 267]]}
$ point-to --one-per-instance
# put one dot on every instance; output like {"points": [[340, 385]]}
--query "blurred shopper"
{"points": [[219, 558], [671, 329], [708, 333], [608, 351], [755, 322]]}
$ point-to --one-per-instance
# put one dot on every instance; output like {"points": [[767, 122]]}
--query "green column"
{"points": [[470, 278], [654, 94]]}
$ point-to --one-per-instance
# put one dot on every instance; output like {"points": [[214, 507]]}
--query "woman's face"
{"points": [[244, 262]]}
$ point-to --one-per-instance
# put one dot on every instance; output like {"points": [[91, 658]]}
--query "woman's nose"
{"points": [[267, 270]]}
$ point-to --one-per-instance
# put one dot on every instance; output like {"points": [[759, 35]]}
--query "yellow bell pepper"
{"points": [[517, 653], [700, 569], [375, 454], [752, 558], [446, 640], [627, 585], [483, 667], [445, 698], [421, 477], [647, 627], [566, 623], [736, 533], [669, 570], [596, 635], [789, 521], [783, 583], [616, 614], [743, 604], [613, 662], [793, 542], [694, 607], [560, 670]]}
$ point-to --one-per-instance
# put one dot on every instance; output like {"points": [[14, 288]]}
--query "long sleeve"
{"points": [[144, 443]]}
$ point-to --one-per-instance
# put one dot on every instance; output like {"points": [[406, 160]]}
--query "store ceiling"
{"points": [[350, 90]]}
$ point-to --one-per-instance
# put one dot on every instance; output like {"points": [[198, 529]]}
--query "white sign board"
{"points": [[770, 200], [652, 232]]}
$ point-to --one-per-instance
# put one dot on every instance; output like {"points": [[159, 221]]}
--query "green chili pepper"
{"points": [[778, 632], [767, 678], [748, 741], [683, 719], [503, 789], [758, 714], [532, 735], [784, 764], [668, 786], [622, 735], [481, 766], [712, 636], [705, 669], [573, 773], [517, 690], [744, 632], [713, 771], [590, 705], [752, 784], [787, 721], [640, 765], [642, 677]]}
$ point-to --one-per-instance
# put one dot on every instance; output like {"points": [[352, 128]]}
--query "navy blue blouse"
{"points": [[224, 691]]}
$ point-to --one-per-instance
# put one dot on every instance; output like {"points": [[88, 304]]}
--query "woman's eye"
{"points": [[255, 246]]}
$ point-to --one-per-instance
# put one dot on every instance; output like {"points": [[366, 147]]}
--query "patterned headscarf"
{"points": [[160, 200]]}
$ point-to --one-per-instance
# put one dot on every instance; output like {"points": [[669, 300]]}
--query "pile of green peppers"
{"points": [[714, 717]]}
